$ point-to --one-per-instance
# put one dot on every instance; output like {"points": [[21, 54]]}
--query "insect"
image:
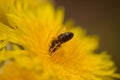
{"points": [[62, 38]]}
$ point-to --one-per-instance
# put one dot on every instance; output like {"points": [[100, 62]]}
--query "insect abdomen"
{"points": [[64, 37]]}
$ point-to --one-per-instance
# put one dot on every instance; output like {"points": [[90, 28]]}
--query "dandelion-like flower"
{"points": [[31, 49]]}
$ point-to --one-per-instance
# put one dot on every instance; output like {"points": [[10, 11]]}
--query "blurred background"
{"points": [[99, 17]]}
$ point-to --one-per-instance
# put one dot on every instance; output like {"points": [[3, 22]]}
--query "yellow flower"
{"points": [[29, 28]]}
